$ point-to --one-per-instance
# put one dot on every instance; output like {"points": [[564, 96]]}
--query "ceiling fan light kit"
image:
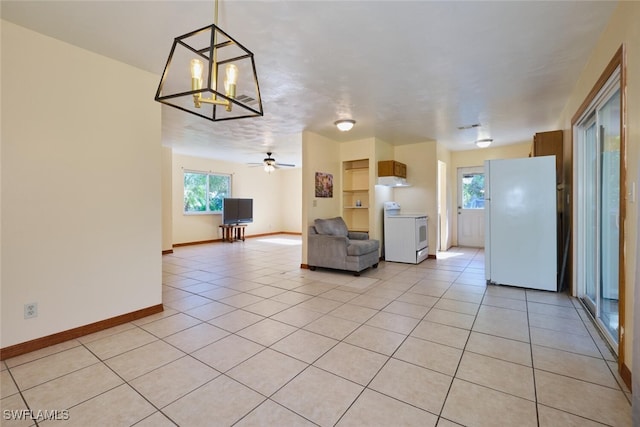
{"points": [[270, 164], [345, 125], [223, 83]]}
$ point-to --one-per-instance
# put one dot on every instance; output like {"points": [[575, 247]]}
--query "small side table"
{"points": [[233, 232]]}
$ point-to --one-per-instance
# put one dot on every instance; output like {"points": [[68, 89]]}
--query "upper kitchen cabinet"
{"points": [[547, 144], [392, 168]]}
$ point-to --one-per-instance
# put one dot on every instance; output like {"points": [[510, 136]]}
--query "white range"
{"points": [[405, 235]]}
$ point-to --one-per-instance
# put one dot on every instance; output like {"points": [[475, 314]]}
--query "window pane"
{"points": [[195, 192], [609, 121], [219, 188], [589, 147], [473, 191]]}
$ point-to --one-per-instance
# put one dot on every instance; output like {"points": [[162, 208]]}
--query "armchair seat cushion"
{"points": [[362, 247]]}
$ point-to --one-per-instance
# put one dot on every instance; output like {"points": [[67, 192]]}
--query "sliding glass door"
{"points": [[598, 208]]}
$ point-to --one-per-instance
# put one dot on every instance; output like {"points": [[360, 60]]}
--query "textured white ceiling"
{"points": [[405, 71]]}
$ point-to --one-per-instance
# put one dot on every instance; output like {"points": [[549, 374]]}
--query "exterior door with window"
{"points": [[471, 207]]}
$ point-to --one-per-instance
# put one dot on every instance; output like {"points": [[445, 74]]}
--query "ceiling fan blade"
{"points": [[289, 165]]}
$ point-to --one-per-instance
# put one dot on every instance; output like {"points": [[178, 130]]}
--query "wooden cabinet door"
{"points": [[550, 143], [400, 169], [392, 168]]}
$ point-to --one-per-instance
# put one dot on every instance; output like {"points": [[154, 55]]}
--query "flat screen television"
{"points": [[237, 211]]}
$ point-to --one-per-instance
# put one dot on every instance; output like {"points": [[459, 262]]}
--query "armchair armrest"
{"points": [[327, 251], [359, 235]]}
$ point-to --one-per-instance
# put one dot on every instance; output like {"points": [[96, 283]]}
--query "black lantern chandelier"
{"points": [[222, 84]]}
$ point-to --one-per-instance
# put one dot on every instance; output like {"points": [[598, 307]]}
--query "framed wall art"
{"points": [[324, 184]]}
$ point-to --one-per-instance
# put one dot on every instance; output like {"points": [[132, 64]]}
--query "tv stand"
{"points": [[233, 232]]}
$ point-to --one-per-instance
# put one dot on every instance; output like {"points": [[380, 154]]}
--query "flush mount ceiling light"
{"points": [[484, 143], [223, 84], [345, 125]]}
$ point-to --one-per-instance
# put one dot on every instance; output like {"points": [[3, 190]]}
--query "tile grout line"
{"points": [[299, 328], [377, 285], [564, 375], [533, 367], [269, 397], [454, 376], [600, 334], [221, 373], [389, 357], [365, 387], [157, 409], [20, 392]]}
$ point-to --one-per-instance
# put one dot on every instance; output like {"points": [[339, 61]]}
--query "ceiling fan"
{"points": [[270, 164]]}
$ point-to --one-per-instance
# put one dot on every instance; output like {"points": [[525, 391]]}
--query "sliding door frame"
{"points": [[618, 61]]}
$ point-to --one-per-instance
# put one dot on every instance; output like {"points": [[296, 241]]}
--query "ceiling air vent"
{"points": [[475, 125], [246, 99]]}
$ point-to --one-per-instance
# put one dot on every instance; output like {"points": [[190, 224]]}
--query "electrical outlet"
{"points": [[31, 310]]}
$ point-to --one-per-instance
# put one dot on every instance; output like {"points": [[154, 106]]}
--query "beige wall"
{"points": [[384, 151], [445, 199], [270, 200], [290, 200], [470, 158], [476, 157], [319, 154], [422, 174], [81, 202], [167, 199], [1, 181], [622, 28]]}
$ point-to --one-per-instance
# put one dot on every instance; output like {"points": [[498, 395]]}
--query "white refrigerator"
{"points": [[520, 222]]}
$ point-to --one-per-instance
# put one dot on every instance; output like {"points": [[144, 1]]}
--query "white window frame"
{"points": [[207, 192]]}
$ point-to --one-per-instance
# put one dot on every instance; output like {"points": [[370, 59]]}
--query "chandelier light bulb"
{"points": [[231, 80], [196, 80], [196, 69]]}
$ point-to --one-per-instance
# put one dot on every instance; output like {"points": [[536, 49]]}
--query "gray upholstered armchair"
{"points": [[331, 245]]}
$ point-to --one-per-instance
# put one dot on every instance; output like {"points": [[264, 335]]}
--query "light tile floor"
{"points": [[248, 338]]}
